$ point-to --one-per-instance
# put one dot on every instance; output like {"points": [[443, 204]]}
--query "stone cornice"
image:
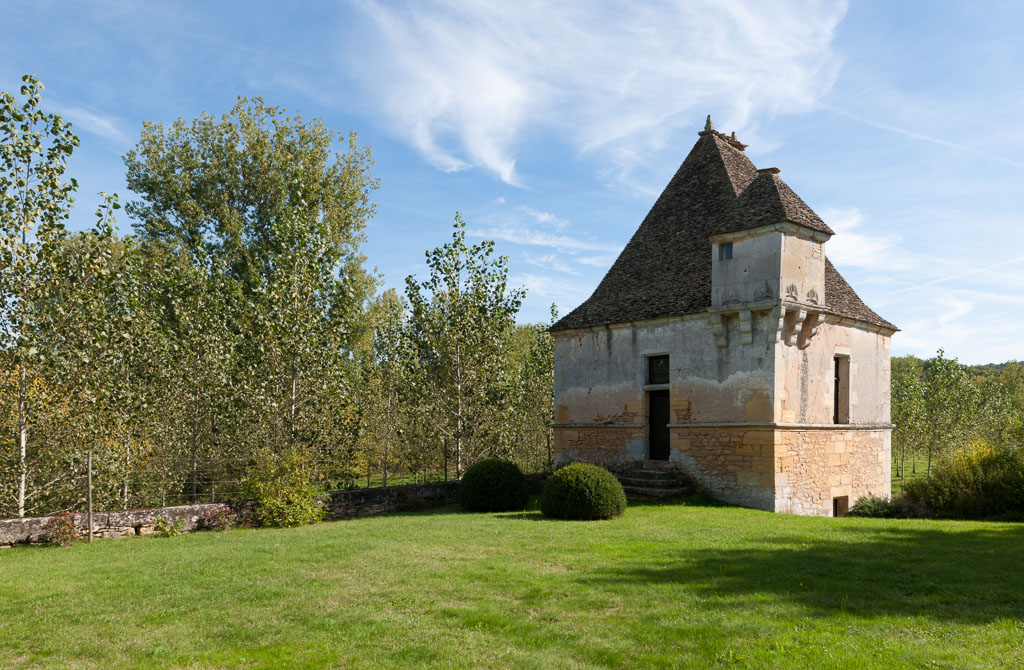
{"points": [[596, 425], [788, 227], [767, 305], [786, 426]]}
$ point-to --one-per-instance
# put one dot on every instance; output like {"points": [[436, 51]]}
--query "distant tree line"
{"points": [[940, 407], [238, 327]]}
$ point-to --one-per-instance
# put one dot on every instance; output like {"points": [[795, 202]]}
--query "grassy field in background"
{"points": [[897, 483], [681, 585]]}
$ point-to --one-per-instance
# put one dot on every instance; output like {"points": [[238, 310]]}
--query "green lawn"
{"points": [[663, 586]]}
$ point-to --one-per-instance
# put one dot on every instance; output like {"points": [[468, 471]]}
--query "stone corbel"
{"points": [[776, 324], [717, 323], [798, 318], [809, 328], [746, 330]]}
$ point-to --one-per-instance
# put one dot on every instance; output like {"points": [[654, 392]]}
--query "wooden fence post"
{"points": [[549, 451]]}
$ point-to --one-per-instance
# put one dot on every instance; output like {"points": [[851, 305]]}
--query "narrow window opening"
{"points": [[725, 251], [840, 506], [657, 370], [841, 390]]}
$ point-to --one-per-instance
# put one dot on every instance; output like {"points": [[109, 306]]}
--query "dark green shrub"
{"points": [[279, 485], [493, 485], [583, 491], [877, 507], [975, 483], [874, 507]]}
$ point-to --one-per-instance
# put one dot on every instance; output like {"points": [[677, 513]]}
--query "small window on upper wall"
{"points": [[725, 251], [657, 370]]}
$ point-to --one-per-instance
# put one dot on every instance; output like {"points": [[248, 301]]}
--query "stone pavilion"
{"points": [[723, 343]]}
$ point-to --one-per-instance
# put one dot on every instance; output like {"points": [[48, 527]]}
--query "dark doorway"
{"points": [[658, 425], [840, 506]]}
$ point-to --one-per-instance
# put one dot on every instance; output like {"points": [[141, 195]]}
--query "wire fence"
{"points": [[219, 479]]}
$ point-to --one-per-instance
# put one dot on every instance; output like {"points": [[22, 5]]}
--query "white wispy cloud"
{"points": [[524, 235], [600, 261], [98, 124], [546, 218], [924, 137], [551, 289], [852, 246], [464, 81], [552, 262]]}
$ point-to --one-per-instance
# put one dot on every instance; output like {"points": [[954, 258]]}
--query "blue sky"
{"points": [[554, 126]]}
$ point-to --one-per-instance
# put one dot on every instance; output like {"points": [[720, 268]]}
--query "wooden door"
{"points": [[659, 415]]}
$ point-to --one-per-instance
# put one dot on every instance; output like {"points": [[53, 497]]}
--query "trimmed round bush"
{"points": [[583, 491], [493, 485]]}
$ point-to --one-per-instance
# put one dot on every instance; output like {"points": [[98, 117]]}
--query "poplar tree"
{"points": [[461, 322], [34, 148], [264, 204]]}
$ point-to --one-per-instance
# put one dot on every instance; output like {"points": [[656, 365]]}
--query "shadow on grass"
{"points": [[533, 512], [696, 500], [969, 576], [525, 515]]}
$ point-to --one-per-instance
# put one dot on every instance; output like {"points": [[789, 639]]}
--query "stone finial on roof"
{"points": [[734, 142], [709, 127]]}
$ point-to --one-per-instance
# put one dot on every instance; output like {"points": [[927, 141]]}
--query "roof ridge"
{"points": [[735, 160]]}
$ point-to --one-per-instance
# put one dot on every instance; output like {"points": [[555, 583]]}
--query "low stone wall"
{"points": [[110, 524], [340, 505], [383, 499]]}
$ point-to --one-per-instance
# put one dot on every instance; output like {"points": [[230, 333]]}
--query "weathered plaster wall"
{"points": [[600, 375], [752, 274], [804, 378], [775, 262]]}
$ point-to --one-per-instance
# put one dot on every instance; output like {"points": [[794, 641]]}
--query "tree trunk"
{"points": [[385, 483], [22, 437], [291, 406], [458, 415], [22, 374], [127, 471], [195, 448], [458, 435]]}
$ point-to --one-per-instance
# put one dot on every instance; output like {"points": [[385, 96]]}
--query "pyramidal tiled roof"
{"points": [[665, 269]]}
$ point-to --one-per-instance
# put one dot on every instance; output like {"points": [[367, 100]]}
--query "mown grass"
{"points": [[897, 483], [663, 586]]}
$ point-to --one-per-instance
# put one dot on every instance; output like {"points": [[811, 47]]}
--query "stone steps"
{"points": [[660, 492], [654, 482], [650, 475]]}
